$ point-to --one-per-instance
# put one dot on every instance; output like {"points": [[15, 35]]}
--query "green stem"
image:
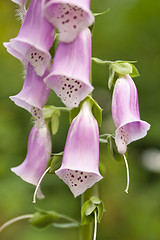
{"points": [[86, 230]]}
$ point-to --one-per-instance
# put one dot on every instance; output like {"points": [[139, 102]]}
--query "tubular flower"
{"points": [[70, 17], [34, 39], [38, 154], [33, 95], [70, 73], [125, 113], [79, 169]]}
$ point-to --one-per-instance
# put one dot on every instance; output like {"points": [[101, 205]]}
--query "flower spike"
{"points": [[125, 113], [70, 73], [70, 17], [35, 163], [79, 169], [34, 40], [33, 95]]}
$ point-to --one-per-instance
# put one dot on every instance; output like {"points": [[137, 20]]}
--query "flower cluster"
{"points": [[68, 75]]}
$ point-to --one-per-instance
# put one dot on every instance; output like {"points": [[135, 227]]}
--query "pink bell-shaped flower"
{"points": [[70, 17], [70, 74], [125, 113], [34, 40], [38, 154], [33, 95], [80, 163]]}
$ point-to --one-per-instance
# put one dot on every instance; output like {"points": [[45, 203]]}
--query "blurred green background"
{"points": [[130, 31]]}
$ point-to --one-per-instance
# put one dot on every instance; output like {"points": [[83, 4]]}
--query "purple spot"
{"points": [[72, 176], [85, 176], [76, 89], [81, 180], [81, 173], [75, 184], [74, 26]]}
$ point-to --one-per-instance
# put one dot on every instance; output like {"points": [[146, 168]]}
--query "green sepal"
{"points": [[48, 111], [55, 121], [55, 162], [123, 68], [100, 61], [55, 45], [112, 148], [43, 219], [102, 13], [135, 72], [111, 76], [88, 209], [96, 110]]}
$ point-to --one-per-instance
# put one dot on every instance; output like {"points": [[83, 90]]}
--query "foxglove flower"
{"points": [[70, 17], [79, 169], [33, 95], [38, 154], [34, 39], [125, 113], [70, 73]]}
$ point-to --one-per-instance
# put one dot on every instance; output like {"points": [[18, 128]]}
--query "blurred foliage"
{"points": [[129, 31]]}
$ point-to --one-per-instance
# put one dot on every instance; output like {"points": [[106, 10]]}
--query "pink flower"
{"points": [[70, 17], [125, 113], [38, 154], [34, 39], [70, 75], [79, 169]]}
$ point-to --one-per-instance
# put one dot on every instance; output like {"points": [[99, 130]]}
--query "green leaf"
{"points": [[99, 61], [88, 209], [89, 218], [43, 219], [123, 68], [96, 110], [73, 113], [102, 13], [55, 162], [135, 72], [115, 155], [48, 111], [95, 200], [55, 121], [100, 210]]}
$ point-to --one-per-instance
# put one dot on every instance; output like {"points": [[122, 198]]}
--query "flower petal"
{"points": [[69, 17], [79, 169], [70, 73]]}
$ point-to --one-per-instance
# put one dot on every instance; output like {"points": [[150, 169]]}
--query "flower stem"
{"points": [[38, 185], [15, 220], [87, 229], [127, 169], [95, 225]]}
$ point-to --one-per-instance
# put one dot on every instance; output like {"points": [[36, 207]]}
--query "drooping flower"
{"points": [[125, 113], [79, 169], [70, 73], [33, 95], [34, 39], [38, 154], [70, 17]]}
